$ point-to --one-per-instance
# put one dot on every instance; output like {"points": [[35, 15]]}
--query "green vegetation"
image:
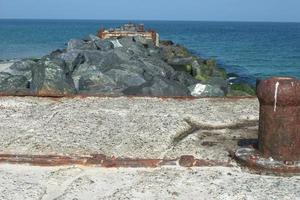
{"points": [[242, 88]]}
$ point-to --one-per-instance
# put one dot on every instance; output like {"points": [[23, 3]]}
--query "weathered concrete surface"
{"points": [[126, 127], [64, 183], [136, 128]]}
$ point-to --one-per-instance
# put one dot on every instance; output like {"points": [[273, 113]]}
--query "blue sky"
{"points": [[211, 10]]}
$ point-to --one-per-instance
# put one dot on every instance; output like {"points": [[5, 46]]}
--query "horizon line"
{"points": [[155, 20]]}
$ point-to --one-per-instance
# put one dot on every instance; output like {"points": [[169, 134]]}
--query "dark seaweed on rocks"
{"points": [[124, 66]]}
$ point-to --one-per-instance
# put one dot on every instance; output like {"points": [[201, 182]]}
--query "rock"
{"points": [[22, 68], [184, 79], [124, 78], [55, 54], [196, 68], [169, 52], [93, 57], [153, 52], [84, 70], [73, 59], [141, 40], [110, 59], [75, 44], [52, 78], [156, 67], [218, 82], [165, 87], [13, 84], [92, 37], [133, 47], [97, 83], [127, 42], [201, 90], [180, 61], [159, 86], [99, 61], [116, 43], [166, 42], [132, 67], [181, 64], [146, 43], [104, 45]]}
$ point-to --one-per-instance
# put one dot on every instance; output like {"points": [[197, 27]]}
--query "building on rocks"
{"points": [[130, 30]]}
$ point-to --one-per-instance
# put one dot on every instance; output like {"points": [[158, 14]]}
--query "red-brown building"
{"points": [[130, 30]]}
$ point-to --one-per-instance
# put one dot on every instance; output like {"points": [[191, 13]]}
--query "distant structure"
{"points": [[130, 30]]}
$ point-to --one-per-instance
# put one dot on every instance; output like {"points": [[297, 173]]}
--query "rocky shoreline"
{"points": [[117, 67]]}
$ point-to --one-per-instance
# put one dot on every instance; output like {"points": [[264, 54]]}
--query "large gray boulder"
{"points": [[93, 57], [75, 44], [133, 47], [125, 78], [180, 61], [73, 59], [157, 67], [22, 68], [97, 62], [14, 84], [52, 78], [218, 82], [158, 87], [104, 45], [165, 87], [184, 79], [98, 83], [181, 64]]}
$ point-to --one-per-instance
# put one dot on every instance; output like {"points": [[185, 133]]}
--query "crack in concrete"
{"points": [[194, 127]]}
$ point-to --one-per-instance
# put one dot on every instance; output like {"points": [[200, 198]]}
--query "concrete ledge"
{"points": [[144, 128]]}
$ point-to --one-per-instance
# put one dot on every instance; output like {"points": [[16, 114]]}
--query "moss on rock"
{"points": [[241, 89]]}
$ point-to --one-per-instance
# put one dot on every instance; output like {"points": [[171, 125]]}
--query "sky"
{"points": [[198, 10]]}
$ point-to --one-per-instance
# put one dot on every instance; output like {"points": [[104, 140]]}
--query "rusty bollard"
{"points": [[279, 128]]}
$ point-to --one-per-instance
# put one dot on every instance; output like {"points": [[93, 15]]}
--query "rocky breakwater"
{"points": [[116, 67]]}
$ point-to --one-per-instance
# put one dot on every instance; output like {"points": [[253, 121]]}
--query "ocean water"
{"points": [[250, 49]]}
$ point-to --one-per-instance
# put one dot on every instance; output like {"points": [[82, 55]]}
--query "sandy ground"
{"points": [[134, 128]]}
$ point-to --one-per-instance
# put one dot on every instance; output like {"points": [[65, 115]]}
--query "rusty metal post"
{"points": [[279, 128], [279, 124]]}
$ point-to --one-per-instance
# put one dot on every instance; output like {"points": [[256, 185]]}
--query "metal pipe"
{"points": [[279, 123]]}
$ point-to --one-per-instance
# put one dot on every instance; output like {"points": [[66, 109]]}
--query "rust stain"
{"points": [[107, 162], [256, 163]]}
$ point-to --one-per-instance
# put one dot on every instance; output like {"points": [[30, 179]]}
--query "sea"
{"points": [[252, 50]]}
